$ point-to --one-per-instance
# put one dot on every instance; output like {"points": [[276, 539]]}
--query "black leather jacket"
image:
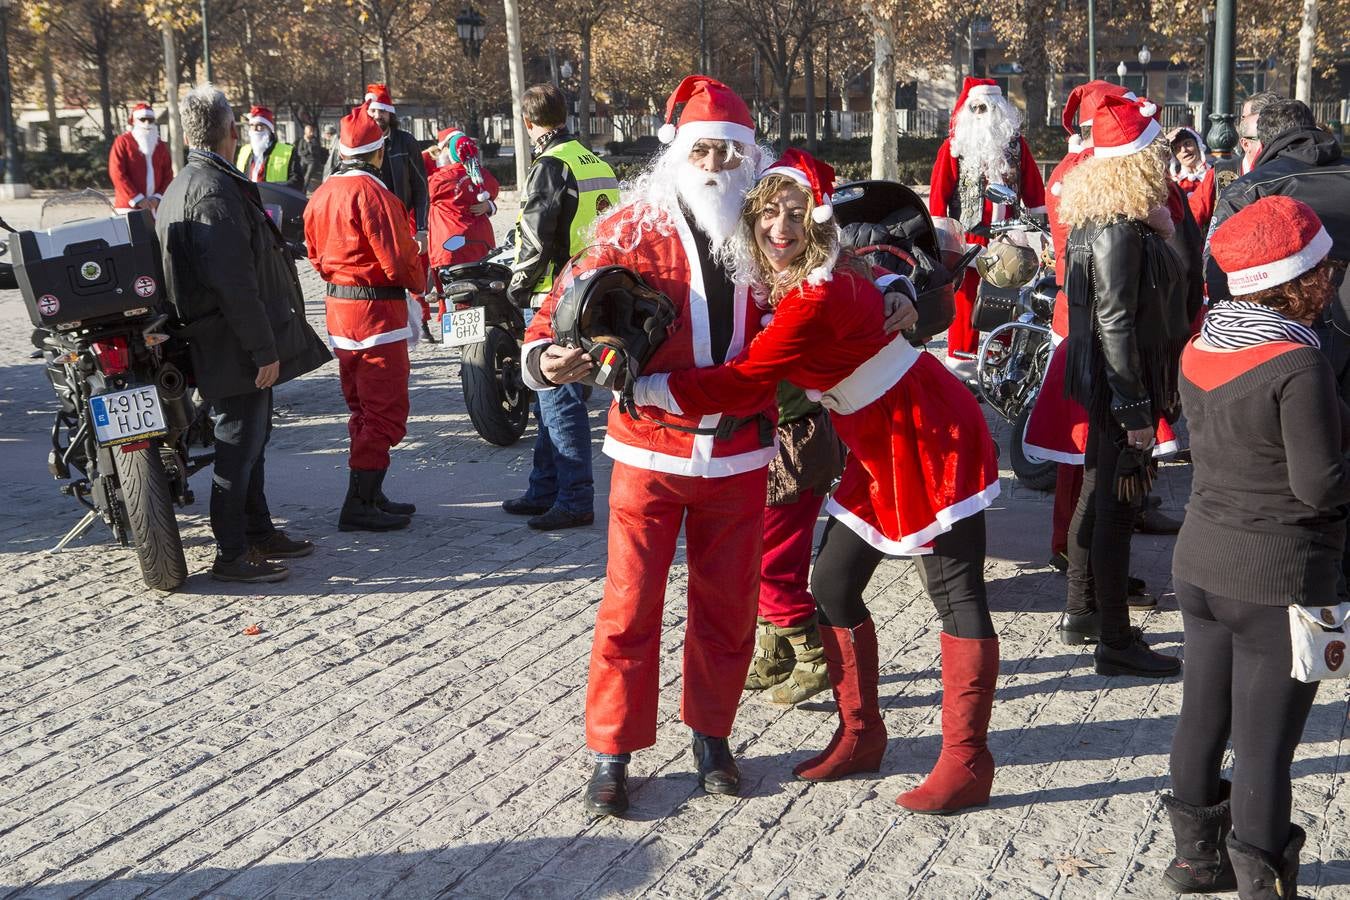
{"points": [[1127, 321], [546, 209], [402, 172]]}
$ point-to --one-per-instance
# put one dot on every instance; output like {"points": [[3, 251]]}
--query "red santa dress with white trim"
{"points": [[921, 458]]}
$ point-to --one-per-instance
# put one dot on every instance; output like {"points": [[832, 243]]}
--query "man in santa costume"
{"points": [[985, 146], [264, 158], [139, 163], [463, 194], [360, 244]]}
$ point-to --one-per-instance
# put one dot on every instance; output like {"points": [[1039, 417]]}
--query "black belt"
{"points": [[365, 292]]}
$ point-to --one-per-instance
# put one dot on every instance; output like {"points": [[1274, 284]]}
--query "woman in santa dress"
{"points": [[922, 468]]}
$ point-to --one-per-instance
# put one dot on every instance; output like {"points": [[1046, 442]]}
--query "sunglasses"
{"points": [[978, 108]]}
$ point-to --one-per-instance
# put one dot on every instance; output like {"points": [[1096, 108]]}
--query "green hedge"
{"points": [[68, 170]]}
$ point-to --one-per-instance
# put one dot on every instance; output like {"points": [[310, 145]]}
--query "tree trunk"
{"points": [[250, 96], [171, 93], [829, 125], [885, 152], [53, 128], [1307, 44], [784, 78], [1035, 68], [105, 92], [516, 68], [386, 71], [584, 87], [809, 79]]}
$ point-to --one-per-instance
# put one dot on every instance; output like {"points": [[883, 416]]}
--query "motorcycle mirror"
{"points": [[454, 242], [1000, 193]]}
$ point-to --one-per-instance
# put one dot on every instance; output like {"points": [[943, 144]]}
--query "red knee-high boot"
{"points": [[860, 739], [965, 770]]}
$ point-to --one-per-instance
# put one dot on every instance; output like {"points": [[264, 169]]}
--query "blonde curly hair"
{"points": [[1108, 187], [817, 260]]}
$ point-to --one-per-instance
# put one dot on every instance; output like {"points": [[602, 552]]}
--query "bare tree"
{"points": [[780, 30]]}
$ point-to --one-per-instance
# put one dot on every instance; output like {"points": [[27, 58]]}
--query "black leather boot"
{"points": [[607, 791], [1135, 658], [1201, 865], [389, 506], [359, 512], [1261, 876], [717, 769]]}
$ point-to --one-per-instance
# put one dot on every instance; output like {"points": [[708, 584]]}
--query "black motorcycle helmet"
{"points": [[616, 317]]}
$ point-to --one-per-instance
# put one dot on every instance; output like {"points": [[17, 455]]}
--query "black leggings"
{"points": [[1099, 537], [1237, 685], [953, 575]]}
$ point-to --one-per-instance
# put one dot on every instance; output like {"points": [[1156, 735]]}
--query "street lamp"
{"points": [[14, 185], [1120, 71], [472, 30], [1144, 55]]}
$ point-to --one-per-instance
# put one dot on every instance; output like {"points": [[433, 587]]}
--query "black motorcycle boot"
{"points": [[359, 512], [1135, 658], [1262, 876], [1201, 865], [607, 791], [389, 506], [717, 769]]}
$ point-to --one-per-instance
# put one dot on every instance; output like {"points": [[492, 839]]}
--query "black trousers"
{"points": [[953, 575], [239, 513], [1099, 537], [1237, 687]]}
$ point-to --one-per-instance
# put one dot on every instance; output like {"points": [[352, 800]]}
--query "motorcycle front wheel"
{"points": [[497, 399], [148, 503], [1039, 476]]}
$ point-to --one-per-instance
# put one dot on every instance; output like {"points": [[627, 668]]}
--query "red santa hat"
{"points": [[377, 97], [973, 87], [1123, 126], [143, 110], [815, 176], [1274, 240], [711, 110], [1083, 101], [358, 133], [443, 136], [261, 115]]}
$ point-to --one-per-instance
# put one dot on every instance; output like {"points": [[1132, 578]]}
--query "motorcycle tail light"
{"points": [[113, 355]]}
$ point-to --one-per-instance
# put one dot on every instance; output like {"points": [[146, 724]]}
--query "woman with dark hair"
{"points": [[920, 473], [1126, 289], [1264, 531]]}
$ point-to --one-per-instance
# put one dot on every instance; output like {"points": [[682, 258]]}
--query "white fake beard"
{"points": [[983, 140], [715, 199], [444, 159], [147, 136], [259, 142]]}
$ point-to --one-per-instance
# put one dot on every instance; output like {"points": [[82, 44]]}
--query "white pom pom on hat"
{"points": [[666, 133], [823, 212]]}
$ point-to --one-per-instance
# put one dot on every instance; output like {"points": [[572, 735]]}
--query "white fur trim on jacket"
{"points": [[654, 390], [696, 466], [385, 337], [914, 544], [872, 379]]}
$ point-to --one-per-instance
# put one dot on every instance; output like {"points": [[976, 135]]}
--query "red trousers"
{"points": [[961, 338], [789, 533], [1068, 484], [375, 385], [723, 522]]}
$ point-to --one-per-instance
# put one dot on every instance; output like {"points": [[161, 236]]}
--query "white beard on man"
{"points": [[146, 135], [259, 141], [981, 139]]}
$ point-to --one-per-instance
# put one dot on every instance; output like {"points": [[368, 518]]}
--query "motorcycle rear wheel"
{"points": [[148, 503], [497, 399], [1039, 476]]}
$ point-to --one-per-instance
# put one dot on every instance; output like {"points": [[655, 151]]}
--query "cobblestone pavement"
{"points": [[408, 723]]}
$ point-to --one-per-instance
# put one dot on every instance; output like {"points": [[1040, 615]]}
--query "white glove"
{"points": [[654, 390]]}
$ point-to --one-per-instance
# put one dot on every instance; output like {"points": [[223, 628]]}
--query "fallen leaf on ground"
{"points": [[252, 630], [1069, 866]]}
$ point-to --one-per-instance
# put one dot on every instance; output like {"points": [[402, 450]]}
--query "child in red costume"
{"points": [[360, 245], [921, 471]]}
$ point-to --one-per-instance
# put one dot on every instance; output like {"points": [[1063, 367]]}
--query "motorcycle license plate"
{"points": [[464, 326], [125, 416]]}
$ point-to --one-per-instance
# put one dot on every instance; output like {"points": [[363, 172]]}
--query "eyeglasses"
{"points": [[146, 121], [978, 108]]}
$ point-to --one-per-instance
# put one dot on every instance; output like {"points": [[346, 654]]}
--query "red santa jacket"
{"points": [[452, 193], [1201, 200], [429, 164], [945, 181], [1059, 234], [135, 177], [357, 234], [669, 263]]}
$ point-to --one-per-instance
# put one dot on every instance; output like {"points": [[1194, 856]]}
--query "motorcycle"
{"points": [[127, 418], [481, 319], [1015, 353]]}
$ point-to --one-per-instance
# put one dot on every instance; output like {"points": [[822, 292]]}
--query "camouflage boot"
{"points": [[809, 676], [772, 662]]}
